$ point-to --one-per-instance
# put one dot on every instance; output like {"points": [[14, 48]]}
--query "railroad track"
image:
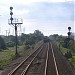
{"points": [[42, 62], [39, 63], [37, 66], [18, 70], [51, 65]]}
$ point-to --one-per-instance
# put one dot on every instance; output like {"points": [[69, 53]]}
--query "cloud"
{"points": [[49, 17], [51, 11], [25, 2], [50, 27], [40, 9]]}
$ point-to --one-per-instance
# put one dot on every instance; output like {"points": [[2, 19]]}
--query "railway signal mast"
{"points": [[69, 33], [15, 22]]}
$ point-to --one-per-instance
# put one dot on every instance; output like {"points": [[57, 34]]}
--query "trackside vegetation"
{"points": [[7, 45], [6, 60], [67, 47]]}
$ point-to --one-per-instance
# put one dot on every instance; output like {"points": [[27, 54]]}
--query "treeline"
{"points": [[2, 44], [64, 41], [27, 39]]}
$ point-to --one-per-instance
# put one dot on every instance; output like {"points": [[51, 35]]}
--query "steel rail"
{"points": [[26, 69], [54, 60], [46, 60], [15, 69]]}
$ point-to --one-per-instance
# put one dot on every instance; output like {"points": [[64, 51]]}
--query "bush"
{"points": [[10, 44], [2, 44], [68, 55], [27, 46]]}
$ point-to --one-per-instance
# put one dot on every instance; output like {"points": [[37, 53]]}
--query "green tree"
{"points": [[32, 38], [2, 44], [38, 35]]}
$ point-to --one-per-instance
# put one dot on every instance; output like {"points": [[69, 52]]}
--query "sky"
{"points": [[48, 16]]}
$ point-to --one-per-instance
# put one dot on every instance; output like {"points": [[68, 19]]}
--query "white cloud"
{"points": [[49, 27], [3, 9], [30, 25], [29, 1], [20, 12], [4, 4]]}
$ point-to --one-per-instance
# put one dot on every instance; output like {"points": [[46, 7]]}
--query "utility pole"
{"points": [[24, 30], [9, 32], [6, 32], [15, 22]]}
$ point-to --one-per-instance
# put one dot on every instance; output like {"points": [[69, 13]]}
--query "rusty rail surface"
{"points": [[23, 63], [44, 61], [39, 61]]}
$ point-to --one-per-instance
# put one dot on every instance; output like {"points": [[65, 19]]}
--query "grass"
{"points": [[11, 48], [7, 50], [72, 60], [6, 60], [64, 50], [1, 52], [8, 55]]}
